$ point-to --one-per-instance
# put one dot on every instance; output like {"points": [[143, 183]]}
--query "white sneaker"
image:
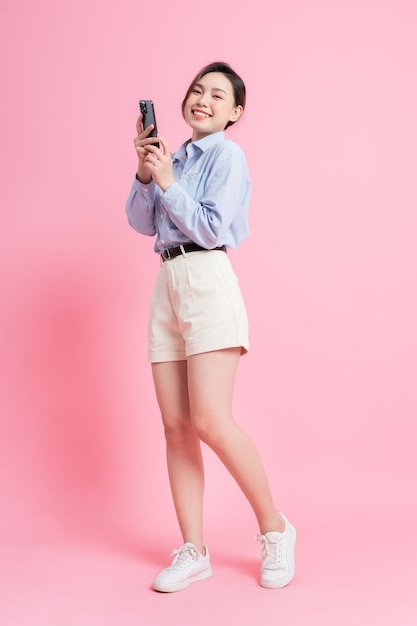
{"points": [[278, 564], [188, 567]]}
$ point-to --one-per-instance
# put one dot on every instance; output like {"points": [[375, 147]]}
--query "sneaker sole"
{"points": [[167, 588], [278, 585]]}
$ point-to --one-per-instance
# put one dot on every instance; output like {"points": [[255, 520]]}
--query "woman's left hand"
{"points": [[158, 161]]}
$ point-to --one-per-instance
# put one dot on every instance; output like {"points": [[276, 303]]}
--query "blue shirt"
{"points": [[208, 203]]}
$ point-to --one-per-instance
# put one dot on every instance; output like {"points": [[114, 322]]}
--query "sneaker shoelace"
{"points": [[183, 556], [270, 551]]}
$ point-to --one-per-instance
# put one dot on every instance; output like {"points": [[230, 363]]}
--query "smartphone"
{"points": [[148, 112]]}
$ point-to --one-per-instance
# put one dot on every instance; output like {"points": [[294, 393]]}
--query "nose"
{"points": [[203, 99]]}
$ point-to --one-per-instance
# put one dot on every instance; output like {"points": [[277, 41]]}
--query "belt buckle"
{"points": [[166, 254]]}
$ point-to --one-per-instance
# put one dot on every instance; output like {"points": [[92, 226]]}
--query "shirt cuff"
{"points": [[138, 185]]}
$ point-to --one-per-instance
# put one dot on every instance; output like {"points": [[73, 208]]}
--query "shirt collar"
{"points": [[203, 144]]}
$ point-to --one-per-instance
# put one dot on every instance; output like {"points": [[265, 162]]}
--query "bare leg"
{"points": [[184, 459], [211, 378]]}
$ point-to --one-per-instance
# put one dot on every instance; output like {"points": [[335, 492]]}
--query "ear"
{"points": [[236, 113]]}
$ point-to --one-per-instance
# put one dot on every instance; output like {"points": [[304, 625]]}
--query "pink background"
{"points": [[328, 390]]}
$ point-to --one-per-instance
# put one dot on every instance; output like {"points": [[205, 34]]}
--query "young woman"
{"points": [[196, 203]]}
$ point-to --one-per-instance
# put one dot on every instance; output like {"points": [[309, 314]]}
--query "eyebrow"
{"points": [[214, 88]]}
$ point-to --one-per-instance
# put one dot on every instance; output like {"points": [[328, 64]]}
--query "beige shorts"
{"points": [[196, 306]]}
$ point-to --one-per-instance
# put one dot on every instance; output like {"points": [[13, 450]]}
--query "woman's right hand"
{"points": [[140, 142]]}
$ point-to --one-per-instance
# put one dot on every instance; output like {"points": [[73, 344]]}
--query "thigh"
{"points": [[171, 387], [211, 377]]}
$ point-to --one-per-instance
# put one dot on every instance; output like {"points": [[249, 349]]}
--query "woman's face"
{"points": [[210, 105]]}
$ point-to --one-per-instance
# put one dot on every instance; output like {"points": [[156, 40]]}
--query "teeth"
{"points": [[200, 114]]}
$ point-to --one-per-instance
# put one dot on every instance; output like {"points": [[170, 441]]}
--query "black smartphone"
{"points": [[148, 112]]}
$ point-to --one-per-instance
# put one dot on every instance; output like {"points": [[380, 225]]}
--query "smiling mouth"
{"points": [[200, 114]]}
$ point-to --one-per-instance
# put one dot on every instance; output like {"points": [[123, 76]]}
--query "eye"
{"points": [[196, 91]]}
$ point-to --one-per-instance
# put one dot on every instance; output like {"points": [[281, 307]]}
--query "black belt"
{"points": [[171, 253]]}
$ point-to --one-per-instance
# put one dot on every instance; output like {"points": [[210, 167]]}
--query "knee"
{"points": [[208, 430], [177, 427]]}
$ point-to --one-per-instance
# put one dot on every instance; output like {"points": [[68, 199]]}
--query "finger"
{"points": [[139, 126], [164, 144], [151, 148], [138, 143], [151, 166], [152, 155], [148, 130], [144, 143]]}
